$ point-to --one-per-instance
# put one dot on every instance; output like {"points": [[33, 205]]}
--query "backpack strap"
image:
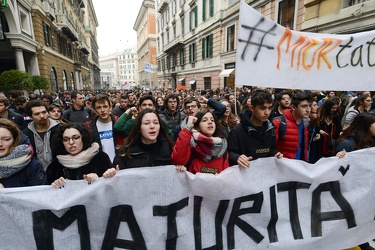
{"points": [[282, 128]]}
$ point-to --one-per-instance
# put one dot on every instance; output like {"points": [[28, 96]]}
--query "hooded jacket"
{"points": [[41, 147], [247, 139]]}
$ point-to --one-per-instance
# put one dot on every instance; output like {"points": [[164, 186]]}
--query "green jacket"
{"points": [[124, 125]]}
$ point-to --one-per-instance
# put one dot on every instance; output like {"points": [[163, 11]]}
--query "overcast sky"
{"points": [[116, 21]]}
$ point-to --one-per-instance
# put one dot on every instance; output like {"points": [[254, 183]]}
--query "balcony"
{"points": [[83, 47], [163, 6], [65, 25], [174, 44], [50, 11]]}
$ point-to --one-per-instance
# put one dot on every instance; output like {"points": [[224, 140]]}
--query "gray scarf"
{"points": [[19, 158]]}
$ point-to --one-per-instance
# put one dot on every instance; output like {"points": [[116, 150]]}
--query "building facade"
{"points": [[145, 26], [197, 39], [120, 70], [339, 16], [50, 38]]}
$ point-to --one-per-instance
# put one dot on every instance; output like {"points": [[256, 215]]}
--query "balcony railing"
{"points": [[50, 11], [66, 26], [83, 47]]}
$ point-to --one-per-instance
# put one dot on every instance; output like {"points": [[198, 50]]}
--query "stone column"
{"points": [[76, 80], [80, 81], [34, 65], [20, 62]]}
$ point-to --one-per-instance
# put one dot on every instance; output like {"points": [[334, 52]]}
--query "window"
{"points": [[174, 59], [354, 2], [52, 38], [193, 22], [207, 47], [46, 34], [192, 53], [207, 9], [168, 62], [174, 31], [230, 38], [207, 82], [182, 25], [182, 56], [286, 13]]}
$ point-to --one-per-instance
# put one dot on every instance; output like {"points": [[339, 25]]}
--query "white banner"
{"points": [[274, 204], [270, 55], [149, 67]]}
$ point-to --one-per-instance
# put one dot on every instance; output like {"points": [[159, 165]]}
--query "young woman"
{"points": [[360, 134], [18, 167], [77, 157], [55, 113], [362, 104], [148, 143], [228, 120], [159, 104], [328, 126], [200, 146]]}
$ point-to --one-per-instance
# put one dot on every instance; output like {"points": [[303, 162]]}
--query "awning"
{"points": [[192, 81], [180, 87], [181, 79], [226, 72]]}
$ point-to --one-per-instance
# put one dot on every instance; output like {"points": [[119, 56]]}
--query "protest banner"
{"points": [[271, 55], [274, 204]]}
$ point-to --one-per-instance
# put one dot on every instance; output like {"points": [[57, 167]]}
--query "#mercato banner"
{"points": [[274, 204], [271, 55]]}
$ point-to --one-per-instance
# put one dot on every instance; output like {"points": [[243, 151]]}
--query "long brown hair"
{"points": [[359, 131], [135, 136]]}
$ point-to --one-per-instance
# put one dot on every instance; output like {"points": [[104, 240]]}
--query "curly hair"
{"points": [[135, 136], [58, 147]]}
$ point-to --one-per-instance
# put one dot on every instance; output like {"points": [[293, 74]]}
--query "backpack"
{"points": [[282, 128]]}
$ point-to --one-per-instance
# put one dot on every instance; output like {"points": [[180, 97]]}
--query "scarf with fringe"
{"points": [[79, 160], [18, 159], [207, 148]]}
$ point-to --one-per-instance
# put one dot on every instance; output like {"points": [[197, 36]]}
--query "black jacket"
{"points": [[252, 141], [17, 119], [91, 126], [139, 157]]}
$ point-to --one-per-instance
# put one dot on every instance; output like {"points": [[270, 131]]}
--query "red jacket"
{"points": [[182, 152], [289, 145]]}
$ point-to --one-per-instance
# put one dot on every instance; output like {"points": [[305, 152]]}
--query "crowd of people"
{"points": [[49, 138]]}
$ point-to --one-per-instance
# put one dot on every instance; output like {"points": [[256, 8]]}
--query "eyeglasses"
{"points": [[285, 98], [75, 138], [191, 107]]}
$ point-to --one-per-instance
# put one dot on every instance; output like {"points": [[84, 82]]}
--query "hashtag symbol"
{"points": [[260, 44]]}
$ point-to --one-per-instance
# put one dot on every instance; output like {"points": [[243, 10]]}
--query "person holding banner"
{"points": [[254, 137], [201, 145], [148, 143], [360, 134], [293, 141], [18, 167], [77, 157]]}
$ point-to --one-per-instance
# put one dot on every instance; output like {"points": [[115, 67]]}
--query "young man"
{"points": [[283, 102], [40, 131], [193, 106], [292, 136], [78, 113], [125, 122], [101, 127], [254, 137], [9, 114], [171, 114], [118, 111]]}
